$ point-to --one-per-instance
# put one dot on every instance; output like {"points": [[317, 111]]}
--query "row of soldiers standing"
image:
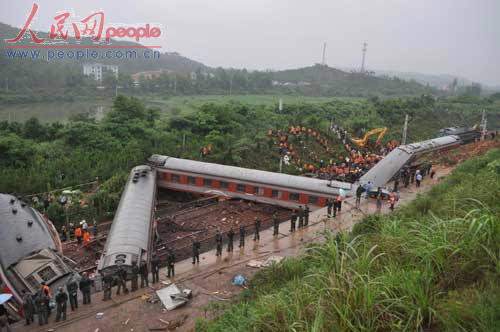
{"points": [[120, 276], [39, 303], [302, 216]]}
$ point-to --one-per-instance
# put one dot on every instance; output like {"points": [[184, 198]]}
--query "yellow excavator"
{"points": [[361, 142]]}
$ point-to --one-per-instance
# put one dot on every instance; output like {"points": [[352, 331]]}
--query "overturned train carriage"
{"points": [[129, 240], [285, 190], [30, 250], [385, 170]]}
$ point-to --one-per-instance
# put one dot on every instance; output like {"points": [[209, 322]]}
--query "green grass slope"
{"points": [[433, 265]]}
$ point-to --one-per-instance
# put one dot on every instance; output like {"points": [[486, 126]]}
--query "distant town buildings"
{"points": [[97, 70], [147, 75]]}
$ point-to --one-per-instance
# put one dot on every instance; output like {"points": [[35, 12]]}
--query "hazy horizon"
{"points": [[456, 37]]}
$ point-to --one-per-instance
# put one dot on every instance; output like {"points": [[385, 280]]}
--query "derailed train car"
{"points": [[30, 251], [130, 238], [385, 170], [285, 190]]}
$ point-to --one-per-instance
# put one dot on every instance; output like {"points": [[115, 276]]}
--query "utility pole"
{"points": [[231, 85], [324, 52], [280, 105], [483, 125], [363, 59], [405, 131]]}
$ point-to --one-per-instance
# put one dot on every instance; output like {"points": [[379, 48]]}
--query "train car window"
{"points": [[276, 193], [207, 182], [312, 199], [294, 197], [176, 178], [47, 273], [258, 191], [223, 184], [241, 187], [191, 180]]}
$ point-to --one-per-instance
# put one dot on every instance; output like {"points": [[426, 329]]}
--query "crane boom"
{"points": [[361, 142]]}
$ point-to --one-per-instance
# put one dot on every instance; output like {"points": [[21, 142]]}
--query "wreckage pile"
{"points": [[465, 152], [178, 230]]}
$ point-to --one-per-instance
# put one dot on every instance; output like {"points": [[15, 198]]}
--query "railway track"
{"points": [[176, 229]]}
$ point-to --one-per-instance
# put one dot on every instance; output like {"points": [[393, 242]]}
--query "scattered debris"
{"points": [[255, 263], [268, 262], [177, 323], [126, 322], [99, 315], [172, 297], [239, 280], [272, 260], [188, 293], [164, 321]]}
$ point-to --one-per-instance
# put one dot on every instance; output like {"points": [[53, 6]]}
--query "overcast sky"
{"points": [[460, 37]]}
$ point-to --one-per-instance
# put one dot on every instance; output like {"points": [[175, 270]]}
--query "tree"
{"points": [[473, 90], [33, 129], [109, 79], [125, 109]]}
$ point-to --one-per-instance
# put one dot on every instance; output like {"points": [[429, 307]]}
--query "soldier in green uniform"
{"points": [[135, 277], [143, 270], [242, 236], [171, 264], [85, 288], [121, 280], [155, 268], [276, 224], [306, 215], [107, 281], [257, 229], [218, 242], [293, 221], [41, 307], [230, 239], [329, 204], [28, 307], [72, 288], [61, 304], [196, 251], [301, 217]]}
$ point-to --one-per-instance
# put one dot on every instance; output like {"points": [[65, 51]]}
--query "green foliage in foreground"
{"points": [[432, 265]]}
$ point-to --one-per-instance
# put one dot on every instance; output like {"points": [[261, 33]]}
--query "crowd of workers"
{"points": [[80, 232], [347, 166]]}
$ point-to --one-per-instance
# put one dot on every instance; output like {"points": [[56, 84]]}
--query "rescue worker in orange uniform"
{"points": [[78, 234], [339, 202], [86, 238], [392, 201]]}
